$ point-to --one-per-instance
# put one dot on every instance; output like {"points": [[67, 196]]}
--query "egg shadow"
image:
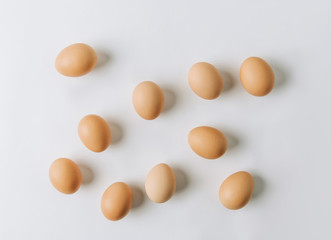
{"points": [[103, 58], [232, 139], [228, 81], [169, 99], [182, 180], [87, 173], [116, 132], [259, 186], [138, 196], [281, 74]]}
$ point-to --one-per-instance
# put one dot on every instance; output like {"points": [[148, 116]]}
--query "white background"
{"points": [[283, 139]]}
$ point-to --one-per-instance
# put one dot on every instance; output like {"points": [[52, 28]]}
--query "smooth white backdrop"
{"points": [[283, 139]]}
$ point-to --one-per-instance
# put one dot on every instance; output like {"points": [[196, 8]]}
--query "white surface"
{"points": [[283, 139]]}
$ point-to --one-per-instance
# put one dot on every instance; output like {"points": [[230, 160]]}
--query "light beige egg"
{"points": [[76, 60], [160, 183], [116, 201], [236, 191], [94, 132], [65, 175], [256, 76], [207, 142], [148, 100], [205, 80]]}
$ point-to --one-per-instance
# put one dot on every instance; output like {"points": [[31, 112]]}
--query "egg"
{"points": [[94, 132], [65, 175], [76, 60], [205, 80], [207, 142], [236, 191], [160, 183], [116, 201], [256, 76], [148, 100]]}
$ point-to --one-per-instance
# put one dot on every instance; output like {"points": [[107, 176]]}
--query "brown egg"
{"points": [[207, 142], [76, 60], [236, 191], [148, 100], [94, 132], [65, 175], [205, 80], [116, 201], [160, 183], [257, 76]]}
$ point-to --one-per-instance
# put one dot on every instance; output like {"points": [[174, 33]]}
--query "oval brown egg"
{"points": [[236, 191], [160, 183], [65, 175], [207, 142], [94, 132], [116, 201], [256, 76], [148, 100], [205, 80], [76, 60]]}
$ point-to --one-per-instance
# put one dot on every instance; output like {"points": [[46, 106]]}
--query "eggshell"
{"points": [[160, 183], [65, 175], [205, 80], [116, 201], [207, 142], [236, 191], [148, 100], [94, 132], [256, 76], [76, 60]]}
